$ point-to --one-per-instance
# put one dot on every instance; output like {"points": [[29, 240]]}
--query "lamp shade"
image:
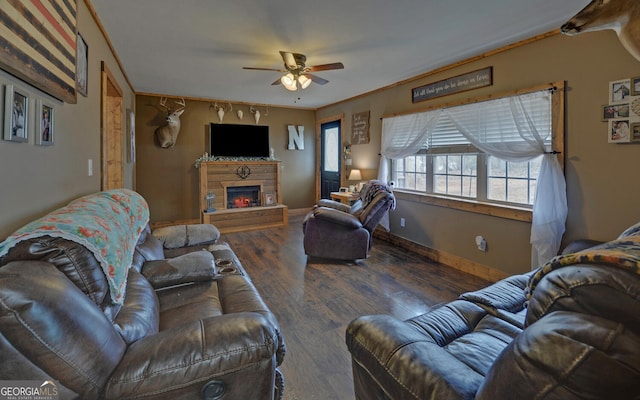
{"points": [[355, 175], [289, 82], [304, 81]]}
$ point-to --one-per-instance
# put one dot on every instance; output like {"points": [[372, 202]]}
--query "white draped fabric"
{"points": [[507, 128]]}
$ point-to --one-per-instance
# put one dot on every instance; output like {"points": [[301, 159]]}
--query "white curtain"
{"points": [[477, 122], [507, 128], [403, 136]]}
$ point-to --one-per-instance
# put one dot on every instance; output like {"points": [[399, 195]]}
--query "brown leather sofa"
{"points": [[337, 231], [569, 330], [189, 327]]}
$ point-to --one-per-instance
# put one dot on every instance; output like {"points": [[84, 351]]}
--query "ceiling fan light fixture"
{"points": [[304, 81], [289, 82]]}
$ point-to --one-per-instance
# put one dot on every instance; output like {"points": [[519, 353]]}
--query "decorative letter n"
{"points": [[296, 137]]}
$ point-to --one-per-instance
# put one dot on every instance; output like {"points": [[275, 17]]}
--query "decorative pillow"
{"points": [[186, 235], [188, 268]]}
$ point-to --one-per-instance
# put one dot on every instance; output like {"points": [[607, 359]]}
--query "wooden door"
{"points": [[112, 132]]}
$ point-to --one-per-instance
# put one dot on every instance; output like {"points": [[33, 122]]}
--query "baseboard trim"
{"points": [[450, 260]]}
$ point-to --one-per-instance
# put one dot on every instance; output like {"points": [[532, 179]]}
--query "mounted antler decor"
{"points": [[256, 113], [623, 16], [167, 134], [221, 110]]}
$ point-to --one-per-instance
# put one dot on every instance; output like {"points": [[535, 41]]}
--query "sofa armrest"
{"points": [[192, 267], [337, 217], [177, 363], [394, 357]]}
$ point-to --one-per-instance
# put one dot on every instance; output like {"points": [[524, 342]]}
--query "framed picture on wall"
{"points": [[16, 112], [615, 111], [635, 86], [619, 91], [82, 66], [45, 118], [635, 132], [619, 131]]}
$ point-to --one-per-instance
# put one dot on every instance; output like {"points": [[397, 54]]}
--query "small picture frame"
{"points": [[16, 114], [619, 131], [615, 111], [45, 123], [635, 86], [82, 66], [619, 91], [269, 199], [635, 132]]}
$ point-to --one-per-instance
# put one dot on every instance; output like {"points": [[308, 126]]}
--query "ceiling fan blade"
{"points": [[326, 67], [316, 79], [264, 69], [289, 59], [276, 82]]}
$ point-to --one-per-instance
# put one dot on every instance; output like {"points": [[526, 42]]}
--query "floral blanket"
{"points": [[107, 223], [623, 252]]}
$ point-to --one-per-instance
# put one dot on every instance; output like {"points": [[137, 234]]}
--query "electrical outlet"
{"points": [[402, 223], [481, 243]]}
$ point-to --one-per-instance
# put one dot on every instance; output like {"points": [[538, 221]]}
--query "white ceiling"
{"points": [[197, 48]]}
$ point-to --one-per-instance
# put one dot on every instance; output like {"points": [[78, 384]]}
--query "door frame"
{"points": [[111, 131], [339, 117]]}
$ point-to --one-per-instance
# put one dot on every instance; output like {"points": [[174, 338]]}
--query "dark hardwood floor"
{"points": [[314, 300]]}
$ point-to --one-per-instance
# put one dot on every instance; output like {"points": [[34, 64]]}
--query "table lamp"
{"points": [[355, 175]]}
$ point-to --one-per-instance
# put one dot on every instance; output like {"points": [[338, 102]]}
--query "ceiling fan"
{"points": [[296, 72]]}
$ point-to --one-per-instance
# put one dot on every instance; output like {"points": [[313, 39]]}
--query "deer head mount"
{"points": [[623, 16], [256, 113], [167, 134], [221, 110]]}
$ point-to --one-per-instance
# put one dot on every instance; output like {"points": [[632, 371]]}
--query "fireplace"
{"points": [[243, 196]]}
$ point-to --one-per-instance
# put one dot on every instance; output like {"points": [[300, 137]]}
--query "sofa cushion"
{"points": [[192, 267], [567, 356], [442, 354], [186, 235], [49, 320]]}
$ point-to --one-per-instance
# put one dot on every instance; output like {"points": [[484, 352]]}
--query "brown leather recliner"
{"points": [[345, 233], [576, 337], [190, 327]]}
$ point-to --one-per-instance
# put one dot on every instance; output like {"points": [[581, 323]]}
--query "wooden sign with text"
{"points": [[457, 84]]}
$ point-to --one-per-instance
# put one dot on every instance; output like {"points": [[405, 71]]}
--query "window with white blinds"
{"points": [[447, 171]]}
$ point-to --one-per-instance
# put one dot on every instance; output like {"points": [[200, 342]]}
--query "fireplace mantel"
{"points": [[217, 176]]}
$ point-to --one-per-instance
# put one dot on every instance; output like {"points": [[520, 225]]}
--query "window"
{"points": [[449, 161], [455, 174]]}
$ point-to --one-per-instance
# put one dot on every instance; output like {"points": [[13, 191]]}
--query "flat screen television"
{"points": [[232, 140]]}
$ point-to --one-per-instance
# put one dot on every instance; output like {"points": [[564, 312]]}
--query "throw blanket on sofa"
{"points": [[374, 187], [623, 252], [107, 223]]}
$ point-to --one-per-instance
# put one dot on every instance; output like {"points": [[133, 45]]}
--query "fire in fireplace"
{"points": [[243, 196]]}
